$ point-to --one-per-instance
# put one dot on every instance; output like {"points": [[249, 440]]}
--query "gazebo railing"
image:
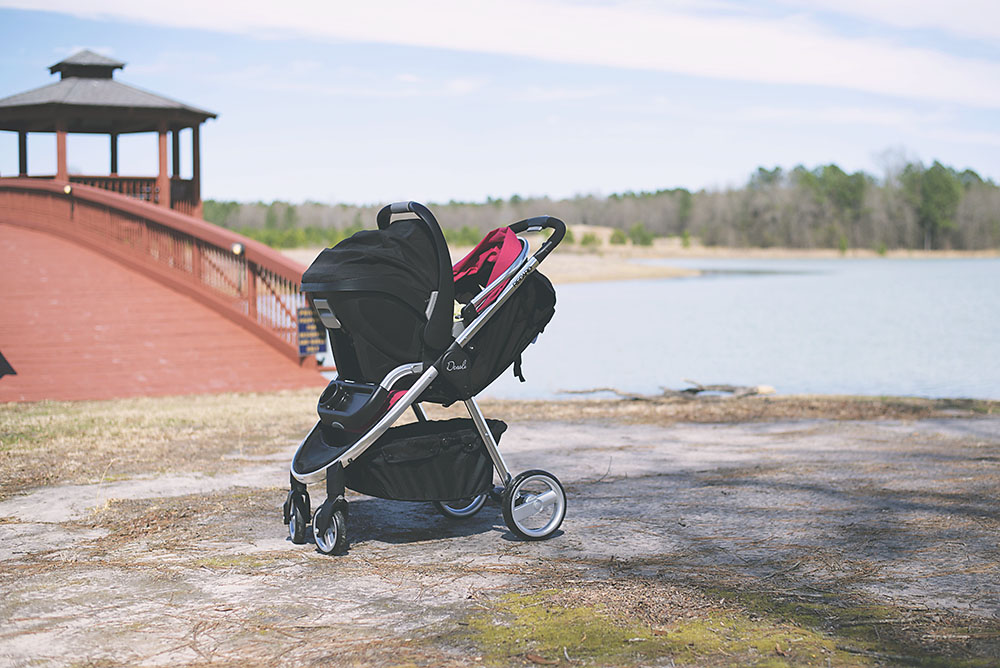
{"points": [[248, 282], [182, 196], [137, 187]]}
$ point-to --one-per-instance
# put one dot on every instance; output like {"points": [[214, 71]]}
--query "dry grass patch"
{"points": [[90, 441], [671, 410]]}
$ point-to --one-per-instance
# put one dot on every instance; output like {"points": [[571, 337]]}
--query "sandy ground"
{"points": [[193, 569], [573, 263], [566, 267]]}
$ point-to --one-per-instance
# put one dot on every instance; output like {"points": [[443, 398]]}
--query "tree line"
{"points": [[912, 207]]}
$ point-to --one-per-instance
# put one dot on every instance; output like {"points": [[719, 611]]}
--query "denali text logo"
{"points": [[451, 366]]}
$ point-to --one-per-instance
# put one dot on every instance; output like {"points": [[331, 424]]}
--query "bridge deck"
{"points": [[77, 325]]}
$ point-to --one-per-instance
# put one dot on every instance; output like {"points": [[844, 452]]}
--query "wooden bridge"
{"points": [[103, 294]]}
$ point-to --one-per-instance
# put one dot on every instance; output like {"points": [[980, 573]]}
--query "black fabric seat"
{"points": [[379, 284]]}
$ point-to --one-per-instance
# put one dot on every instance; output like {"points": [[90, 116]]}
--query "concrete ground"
{"points": [[188, 569]]}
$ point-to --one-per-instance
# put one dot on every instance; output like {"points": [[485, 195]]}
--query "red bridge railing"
{"points": [[248, 282]]}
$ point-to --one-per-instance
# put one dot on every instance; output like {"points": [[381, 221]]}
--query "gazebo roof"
{"points": [[87, 63], [88, 99]]}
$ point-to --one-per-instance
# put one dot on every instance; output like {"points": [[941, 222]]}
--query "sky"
{"points": [[438, 100]]}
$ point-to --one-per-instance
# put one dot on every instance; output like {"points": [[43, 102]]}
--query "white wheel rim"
{"points": [[292, 525], [537, 499], [464, 511], [328, 539]]}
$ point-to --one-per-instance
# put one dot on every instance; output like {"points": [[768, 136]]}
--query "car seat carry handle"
{"points": [[437, 333], [542, 222]]}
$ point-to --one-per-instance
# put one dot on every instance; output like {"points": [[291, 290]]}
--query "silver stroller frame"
{"points": [[533, 502]]}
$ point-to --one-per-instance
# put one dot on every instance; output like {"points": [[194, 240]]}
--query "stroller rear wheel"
{"points": [[534, 504], [330, 535], [461, 508]]}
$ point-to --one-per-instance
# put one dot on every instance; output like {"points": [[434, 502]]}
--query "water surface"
{"points": [[838, 326]]}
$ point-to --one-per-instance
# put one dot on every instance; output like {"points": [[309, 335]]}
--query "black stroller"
{"points": [[406, 327]]}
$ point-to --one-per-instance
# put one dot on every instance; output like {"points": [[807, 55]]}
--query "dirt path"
{"points": [[780, 543]]}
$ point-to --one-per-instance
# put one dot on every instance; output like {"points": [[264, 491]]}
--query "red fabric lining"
{"points": [[500, 249], [394, 397]]}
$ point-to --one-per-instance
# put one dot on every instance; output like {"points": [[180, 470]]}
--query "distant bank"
{"points": [[911, 207]]}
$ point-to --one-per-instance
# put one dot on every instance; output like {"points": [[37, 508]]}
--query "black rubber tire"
{"points": [[298, 523], [508, 500], [450, 511], [333, 539]]}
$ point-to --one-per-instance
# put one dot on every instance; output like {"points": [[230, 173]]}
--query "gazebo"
{"points": [[87, 99]]}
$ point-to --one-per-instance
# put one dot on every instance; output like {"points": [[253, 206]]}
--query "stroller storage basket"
{"points": [[426, 461]]}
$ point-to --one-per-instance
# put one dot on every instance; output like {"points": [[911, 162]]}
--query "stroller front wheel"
{"points": [[297, 524], [461, 508], [534, 505], [330, 535]]}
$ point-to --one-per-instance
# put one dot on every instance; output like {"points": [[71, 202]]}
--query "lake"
{"points": [[840, 326]]}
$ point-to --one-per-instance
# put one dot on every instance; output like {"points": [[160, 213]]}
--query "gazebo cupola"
{"points": [[88, 99]]}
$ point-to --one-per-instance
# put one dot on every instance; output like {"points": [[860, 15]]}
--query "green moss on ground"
{"points": [[881, 632], [522, 624], [753, 629], [534, 629]]}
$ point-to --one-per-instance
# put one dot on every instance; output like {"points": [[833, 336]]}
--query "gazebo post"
{"points": [[22, 153], [196, 170], [62, 174], [176, 152], [114, 154], [163, 179]]}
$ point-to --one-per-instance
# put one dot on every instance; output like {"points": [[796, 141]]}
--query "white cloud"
{"points": [[66, 51], [646, 36], [978, 19], [465, 85], [891, 117], [559, 94], [969, 137]]}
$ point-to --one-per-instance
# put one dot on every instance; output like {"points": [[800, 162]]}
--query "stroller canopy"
{"points": [[400, 261]]}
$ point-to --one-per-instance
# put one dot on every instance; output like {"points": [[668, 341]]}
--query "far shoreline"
{"points": [[573, 263]]}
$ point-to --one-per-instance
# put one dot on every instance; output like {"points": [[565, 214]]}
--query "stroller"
{"points": [[405, 328]]}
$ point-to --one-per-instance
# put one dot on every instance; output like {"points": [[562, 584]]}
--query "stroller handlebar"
{"points": [[542, 222], [384, 217]]}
